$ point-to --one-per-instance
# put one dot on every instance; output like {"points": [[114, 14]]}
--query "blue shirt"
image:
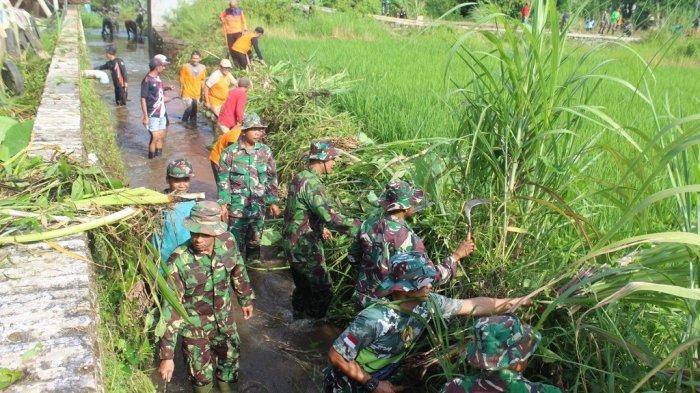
{"points": [[174, 232]]}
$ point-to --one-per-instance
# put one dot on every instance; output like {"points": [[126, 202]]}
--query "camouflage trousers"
{"points": [[202, 353], [313, 285], [248, 232]]}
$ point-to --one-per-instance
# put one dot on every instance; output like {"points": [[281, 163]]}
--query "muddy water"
{"points": [[278, 354]]}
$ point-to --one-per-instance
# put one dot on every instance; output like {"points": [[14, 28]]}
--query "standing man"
{"points": [[385, 7], [388, 234], [247, 183], [231, 114], [501, 348], [174, 232], [241, 49], [525, 13], [217, 86], [307, 215], [117, 69], [153, 105], [205, 271], [234, 23], [605, 22], [367, 355], [615, 19], [192, 76]]}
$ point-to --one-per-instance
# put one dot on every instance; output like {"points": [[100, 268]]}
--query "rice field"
{"points": [[589, 153]]}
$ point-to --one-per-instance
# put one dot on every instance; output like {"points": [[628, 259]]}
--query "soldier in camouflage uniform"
{"points": [[385, 235], [178, 175], [247, 183], [205, 272], [367, 355], [307, 216], [502, 347]]}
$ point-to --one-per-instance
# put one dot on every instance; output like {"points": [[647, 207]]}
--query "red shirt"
{"points": [[525, 11], [233, 108]]}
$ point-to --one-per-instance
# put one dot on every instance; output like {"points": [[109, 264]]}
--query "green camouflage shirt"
{"points": [[381, 334], [505, 381], [205, 284], [378, 240], [308, 210], [247, 180]]}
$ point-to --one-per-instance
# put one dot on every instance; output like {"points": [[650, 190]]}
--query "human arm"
{"points": [[104, 66], [122, 70], [172, 321], [183, 76], [483, 306], [223, 184], [271, 187], [239, 110], [322, 207], [256, 46], [144, 108], [244, 23]]}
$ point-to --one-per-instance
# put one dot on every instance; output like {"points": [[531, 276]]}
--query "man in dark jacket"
{"points": [[117, 68]]}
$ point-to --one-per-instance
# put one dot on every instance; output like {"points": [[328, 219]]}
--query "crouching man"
{"points": [[367, 356], [205, 271]]}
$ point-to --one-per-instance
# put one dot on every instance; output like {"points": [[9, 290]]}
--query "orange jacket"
{"points": [[192, 84], [233, 20], [224, 141], [244, 43]]}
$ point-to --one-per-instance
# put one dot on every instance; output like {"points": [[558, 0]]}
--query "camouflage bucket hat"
{"points": [[251, 120], [409, 272], [180, 169], [400, 195], [501, 341], [205, 218], [322, 151]]}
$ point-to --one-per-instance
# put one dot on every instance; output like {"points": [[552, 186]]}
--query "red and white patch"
{"points": [[350, 340]]}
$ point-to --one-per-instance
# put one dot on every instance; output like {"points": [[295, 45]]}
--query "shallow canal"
{"points": [[278, 354]]}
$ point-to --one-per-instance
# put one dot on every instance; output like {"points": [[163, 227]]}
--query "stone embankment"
{"points": [[48, 305]]}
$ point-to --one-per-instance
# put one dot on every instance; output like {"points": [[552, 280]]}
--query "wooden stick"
{"points": [[44, 7]]}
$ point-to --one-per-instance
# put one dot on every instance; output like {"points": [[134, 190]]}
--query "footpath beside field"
{"points": [[48, 309]]}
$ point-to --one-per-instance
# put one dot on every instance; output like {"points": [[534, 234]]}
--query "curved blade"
{"points": [[472, 203]]}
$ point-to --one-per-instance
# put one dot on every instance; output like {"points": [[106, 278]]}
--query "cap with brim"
{"points": [[162, 58], [225, 63], [322, 150], [251, 121], [501, 341], [205, 218], [180, 169], [410, 271], [400, 195]]}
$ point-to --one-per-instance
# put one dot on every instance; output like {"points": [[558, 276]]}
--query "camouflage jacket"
{"points": [[205, 285], [308, 210], [247, 180], [505, 381], [378, 240], [381, 334]]}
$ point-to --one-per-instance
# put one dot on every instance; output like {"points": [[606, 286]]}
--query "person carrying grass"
{"points": [[241, 49], [247, 184], [174, 233], [118, 73], [388, 234], [501, 348], [307, 216], [368, 354]]}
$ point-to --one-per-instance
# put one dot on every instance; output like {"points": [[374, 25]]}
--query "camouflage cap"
{"points": [[251, 121], [501, 341], [180, 169], [410, 271], [205, 218], [400, 195], [322, 150]]}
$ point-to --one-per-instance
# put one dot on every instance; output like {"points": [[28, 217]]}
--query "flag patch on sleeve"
{"points": [[350, 340]]}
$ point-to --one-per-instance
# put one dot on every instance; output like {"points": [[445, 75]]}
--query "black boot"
{"points": [[151, 155], [159, 152]]}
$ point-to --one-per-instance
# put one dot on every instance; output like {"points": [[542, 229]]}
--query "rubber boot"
{"points": [[159, 152], [151, 154], [209, 388], [227, 387]]}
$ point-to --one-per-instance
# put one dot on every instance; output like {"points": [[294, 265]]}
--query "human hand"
{"points": [[465, 248], [247, 311], [274, 210], [387, 387], [224, 213], [166, 368], [326, 235], [518, 302], [145, 121]]}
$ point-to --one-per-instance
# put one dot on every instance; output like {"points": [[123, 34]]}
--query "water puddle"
{"points": [[278, 354]]}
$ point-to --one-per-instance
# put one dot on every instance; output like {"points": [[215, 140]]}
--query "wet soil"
{"points": [[278, 354]]}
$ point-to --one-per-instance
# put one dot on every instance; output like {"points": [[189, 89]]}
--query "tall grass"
{"points": [[588, 153]]}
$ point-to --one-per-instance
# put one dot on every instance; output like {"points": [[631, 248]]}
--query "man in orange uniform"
{"points": [[217, 85], [192, 76], [242, 47], [233, 20]]}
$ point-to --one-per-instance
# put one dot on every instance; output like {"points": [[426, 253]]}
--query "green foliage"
{"points": [[8, 377], [14, 136], [91, 19]]}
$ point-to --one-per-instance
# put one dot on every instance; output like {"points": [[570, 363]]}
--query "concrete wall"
{"points": [[161, 9], [48, 305]]}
